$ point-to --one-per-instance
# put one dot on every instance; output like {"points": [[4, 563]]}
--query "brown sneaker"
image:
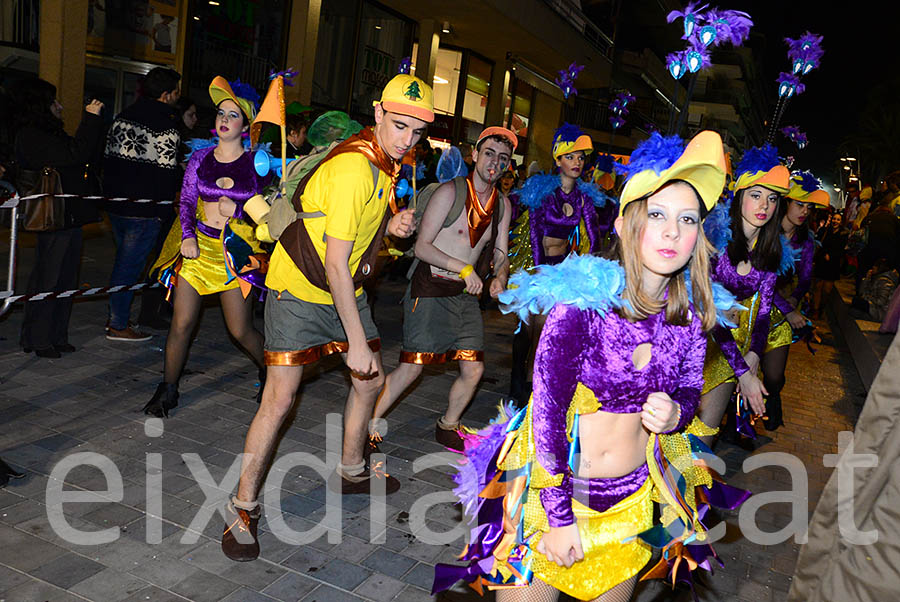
{"points": [[239, 541], [362, 483], [127, 334], [449, 438]]}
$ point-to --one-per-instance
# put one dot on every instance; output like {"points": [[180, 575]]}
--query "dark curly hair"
{"points": [[34, 97]]}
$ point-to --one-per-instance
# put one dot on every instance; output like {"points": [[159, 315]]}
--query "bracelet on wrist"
{"points": [[464, 273]]}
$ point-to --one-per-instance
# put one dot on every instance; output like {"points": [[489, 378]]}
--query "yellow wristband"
{"points": [[464, 273]]}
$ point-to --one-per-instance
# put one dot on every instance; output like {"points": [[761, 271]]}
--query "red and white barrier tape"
{"points": [[17, 200], [80, 292]]}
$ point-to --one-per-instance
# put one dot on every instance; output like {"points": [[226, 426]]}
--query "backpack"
{"points": [[282, 213]]}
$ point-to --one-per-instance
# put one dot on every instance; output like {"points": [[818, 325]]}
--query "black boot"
{"points": [[9, 471], [165, 398], [774, 412]]}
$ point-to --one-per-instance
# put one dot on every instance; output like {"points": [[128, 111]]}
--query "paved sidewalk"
{"points": [[88, 401]]}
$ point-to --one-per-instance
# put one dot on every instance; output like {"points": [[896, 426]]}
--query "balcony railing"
{"points": [[19, 23], [571, 13], [594, 114]]}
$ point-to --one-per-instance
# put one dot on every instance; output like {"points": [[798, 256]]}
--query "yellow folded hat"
{"points": [[760, 166], [220, 90], [408, 95], [656, 162], [568, 139], [806, 188]]}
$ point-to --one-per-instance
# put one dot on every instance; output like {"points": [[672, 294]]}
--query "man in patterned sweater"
{"points": [[140, 162]]}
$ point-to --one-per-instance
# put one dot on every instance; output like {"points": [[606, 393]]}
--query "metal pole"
{"points": [[13, 246]]}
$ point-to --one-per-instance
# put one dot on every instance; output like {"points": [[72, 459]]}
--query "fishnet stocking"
{"points": [[539, 591]]}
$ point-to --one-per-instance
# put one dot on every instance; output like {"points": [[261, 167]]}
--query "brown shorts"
{"points": [[441, 329], [299, 332]]}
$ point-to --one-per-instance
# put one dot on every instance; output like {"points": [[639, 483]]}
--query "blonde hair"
{"points": [[677, 304]]}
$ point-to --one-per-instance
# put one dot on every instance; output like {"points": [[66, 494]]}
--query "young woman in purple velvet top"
{"points": [[561, 209], [561, 488], [748, 268], [805, 194], [211, 247]]}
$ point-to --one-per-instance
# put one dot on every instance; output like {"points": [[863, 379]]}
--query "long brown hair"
{"points": [[766, 255], [677, 303]]}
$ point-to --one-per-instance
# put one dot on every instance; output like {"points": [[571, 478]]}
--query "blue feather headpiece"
{"points": [[245, 91], [758, 158], [658, 153], [566, 133], [808, 182]]}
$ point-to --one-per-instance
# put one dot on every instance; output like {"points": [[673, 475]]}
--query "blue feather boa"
{"points": [[789, 256], [593, 192], [717, 226], [540, 186], [586, 282], [536, 188], [195, 144]]}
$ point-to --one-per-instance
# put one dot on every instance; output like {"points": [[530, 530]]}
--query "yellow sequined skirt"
{"points": [[716, 369], [607, 561], [780, 332], [207, 274]]}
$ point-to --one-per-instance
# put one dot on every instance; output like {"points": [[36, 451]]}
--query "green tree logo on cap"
{"points": [[413, 92]]}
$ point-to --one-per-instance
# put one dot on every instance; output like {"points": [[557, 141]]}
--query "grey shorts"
{"points": [[299, 332], [440, 329]]}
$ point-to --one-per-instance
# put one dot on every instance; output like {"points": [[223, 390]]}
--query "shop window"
{"points": [[519, 102], [101, 83], [478, 82], [446, 79], [334, 63], [384, 40]]}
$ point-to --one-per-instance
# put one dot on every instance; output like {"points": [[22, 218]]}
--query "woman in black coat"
{"points": [[42, 142]]}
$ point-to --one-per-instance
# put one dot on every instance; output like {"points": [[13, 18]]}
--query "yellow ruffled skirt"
{"points": [[607, 561], [780, 332], [208, 273]]}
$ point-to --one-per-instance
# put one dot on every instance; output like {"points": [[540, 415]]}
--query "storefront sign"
{"points": [[145, 30]]}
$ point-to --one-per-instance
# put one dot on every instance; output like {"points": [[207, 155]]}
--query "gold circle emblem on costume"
{"points": [[568, 209]]}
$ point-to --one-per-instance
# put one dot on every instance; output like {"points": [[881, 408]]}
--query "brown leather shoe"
{"points": [[127, 334], [239, 542], [363, 482], [448, 438]]}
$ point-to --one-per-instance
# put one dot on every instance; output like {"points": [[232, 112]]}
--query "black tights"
{"points": [[539, 591], [773, 365], [186, 313]]}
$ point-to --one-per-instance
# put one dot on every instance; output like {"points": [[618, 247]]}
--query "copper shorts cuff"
{"points": [[304, 357], [425, 358]]}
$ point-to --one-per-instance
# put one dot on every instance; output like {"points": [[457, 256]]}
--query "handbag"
{"points": [[46, 212]]}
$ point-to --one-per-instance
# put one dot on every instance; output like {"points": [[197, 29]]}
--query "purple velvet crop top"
{"points": [[550, 220], [743, 287], [803, 271], [580, 346], [200, 176]]}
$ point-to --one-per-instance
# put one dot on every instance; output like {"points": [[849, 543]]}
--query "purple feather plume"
{"points": [[288, 74], [806, 47], [481, 449], [791, 80], [732, 26], [656, 152], [566, 79], [405, 65]]}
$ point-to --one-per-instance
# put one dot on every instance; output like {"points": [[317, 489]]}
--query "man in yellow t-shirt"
{"points": [[316, 305]]}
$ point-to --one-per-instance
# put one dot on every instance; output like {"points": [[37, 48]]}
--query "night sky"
{"points": [[862, 50], [862, 47]]}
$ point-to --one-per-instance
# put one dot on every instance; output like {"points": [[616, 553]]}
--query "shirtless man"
{"points": [[441, 317]]}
